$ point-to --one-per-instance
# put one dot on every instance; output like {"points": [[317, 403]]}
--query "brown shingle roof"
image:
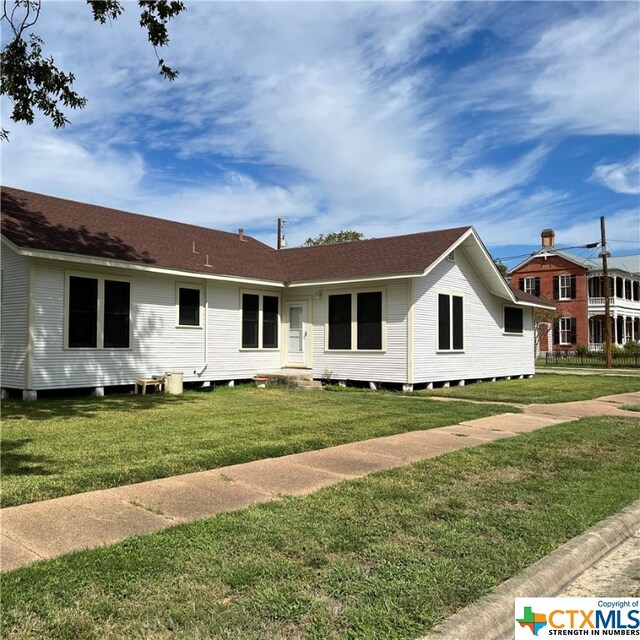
{"points": [[522, 296], [42, 222], [37, 221], [394, 255]]}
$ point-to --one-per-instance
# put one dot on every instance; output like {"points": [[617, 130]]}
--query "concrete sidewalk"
{"points": [[52, 528]]}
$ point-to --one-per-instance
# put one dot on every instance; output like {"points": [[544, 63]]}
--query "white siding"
{"points": [[226, 360], [389, 366], [158, 345], [488, 352], [14, 312]]}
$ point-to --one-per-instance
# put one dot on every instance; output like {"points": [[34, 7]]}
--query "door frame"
{"points": [[307, 327]]}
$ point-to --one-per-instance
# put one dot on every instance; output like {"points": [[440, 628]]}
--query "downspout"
{"points": [[206, 330]]}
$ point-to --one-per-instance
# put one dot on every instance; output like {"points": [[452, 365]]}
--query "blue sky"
{"points": [[386, 118]]}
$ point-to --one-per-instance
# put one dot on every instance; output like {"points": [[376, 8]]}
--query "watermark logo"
{"points": [[535, 621], [576, 617]]}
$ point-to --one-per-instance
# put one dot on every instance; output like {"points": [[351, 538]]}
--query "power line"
{"points": [[591, 245]]}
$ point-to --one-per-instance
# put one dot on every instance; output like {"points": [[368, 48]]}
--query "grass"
{"points": [[59, 447], [631, 407], [383, 557], [545, 388]]}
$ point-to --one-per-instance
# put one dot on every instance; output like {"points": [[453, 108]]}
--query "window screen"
{"points": [[250, 306], [370, 320], [512, 320], [189, 307], [340, 321], [444, 323], [270, 322], [83, 312], [116, 313], [458, 338]]}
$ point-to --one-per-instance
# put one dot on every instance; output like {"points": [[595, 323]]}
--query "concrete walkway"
{"points": [[51, 528]]}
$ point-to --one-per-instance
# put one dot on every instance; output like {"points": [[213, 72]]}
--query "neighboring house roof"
{"points": [[43, 223], [629, 263], [522, 296]]}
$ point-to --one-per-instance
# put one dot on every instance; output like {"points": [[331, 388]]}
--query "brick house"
{"points": [[576, 286]]}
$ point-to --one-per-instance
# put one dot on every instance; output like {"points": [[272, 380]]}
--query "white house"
{"points": [[94, 297]]}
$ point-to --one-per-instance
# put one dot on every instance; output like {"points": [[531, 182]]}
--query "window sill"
{"points": [[380, 351], [97, 349], [513, 333], [276, 349], [189, 326], [449, 351]]}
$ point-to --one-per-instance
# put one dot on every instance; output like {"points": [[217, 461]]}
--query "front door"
{"points": [[297, 334]]}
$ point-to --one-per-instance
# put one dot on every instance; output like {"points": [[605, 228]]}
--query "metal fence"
{"points": [[591, 359]]}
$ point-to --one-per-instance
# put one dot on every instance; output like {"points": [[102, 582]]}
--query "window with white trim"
{"points": [[189, 305], [260, 321], [531, 285], [513, 320], [450, 322], [355, 321], [565, 330], [98, 313], [564, 287]]}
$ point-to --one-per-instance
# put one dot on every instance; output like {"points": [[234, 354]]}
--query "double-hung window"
{"points": [[531, 285], [189, 305], [450, 322], [260, 321], [356, 321], [513, 320], [98, 313], [565, 331], [564, 287]]}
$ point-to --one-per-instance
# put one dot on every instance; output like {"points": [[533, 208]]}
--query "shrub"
{"points": [[632, 347], [582, 349]]}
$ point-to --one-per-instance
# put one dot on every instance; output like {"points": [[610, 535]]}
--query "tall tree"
{"points": [[34, 83], [335, 237]]}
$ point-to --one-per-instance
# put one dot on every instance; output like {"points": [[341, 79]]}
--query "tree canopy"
{"points": [[335, 237], [33, 82]]}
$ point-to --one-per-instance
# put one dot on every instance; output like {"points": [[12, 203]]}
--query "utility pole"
{"points": [[604, 254], [281, 224]]}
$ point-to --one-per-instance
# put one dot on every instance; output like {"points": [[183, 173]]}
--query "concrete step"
{"points": [[292, 379]]}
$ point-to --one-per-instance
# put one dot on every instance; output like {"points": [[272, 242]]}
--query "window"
{"points": [[531, 285], [513, 320], [270, 322], [98, 313], [260, 321], [450, 323], [189, 306], [564, 287], [370, 320], [116, 313], [83, 312], [355, 321], [340, 321], [565, 331]]}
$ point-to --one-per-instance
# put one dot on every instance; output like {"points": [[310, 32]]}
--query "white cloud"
{"points": [[621, 177], [330, 115], [589, 80]]}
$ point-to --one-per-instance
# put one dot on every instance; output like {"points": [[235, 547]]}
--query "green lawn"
{"points": [[386, 556], [544, 388], [631, 407], [59, 447]]}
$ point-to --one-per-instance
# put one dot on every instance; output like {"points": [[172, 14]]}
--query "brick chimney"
{"points": [[548, 238], [241, 234]]}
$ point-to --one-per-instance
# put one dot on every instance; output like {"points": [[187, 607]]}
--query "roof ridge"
{"points": [[359, 242]]}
